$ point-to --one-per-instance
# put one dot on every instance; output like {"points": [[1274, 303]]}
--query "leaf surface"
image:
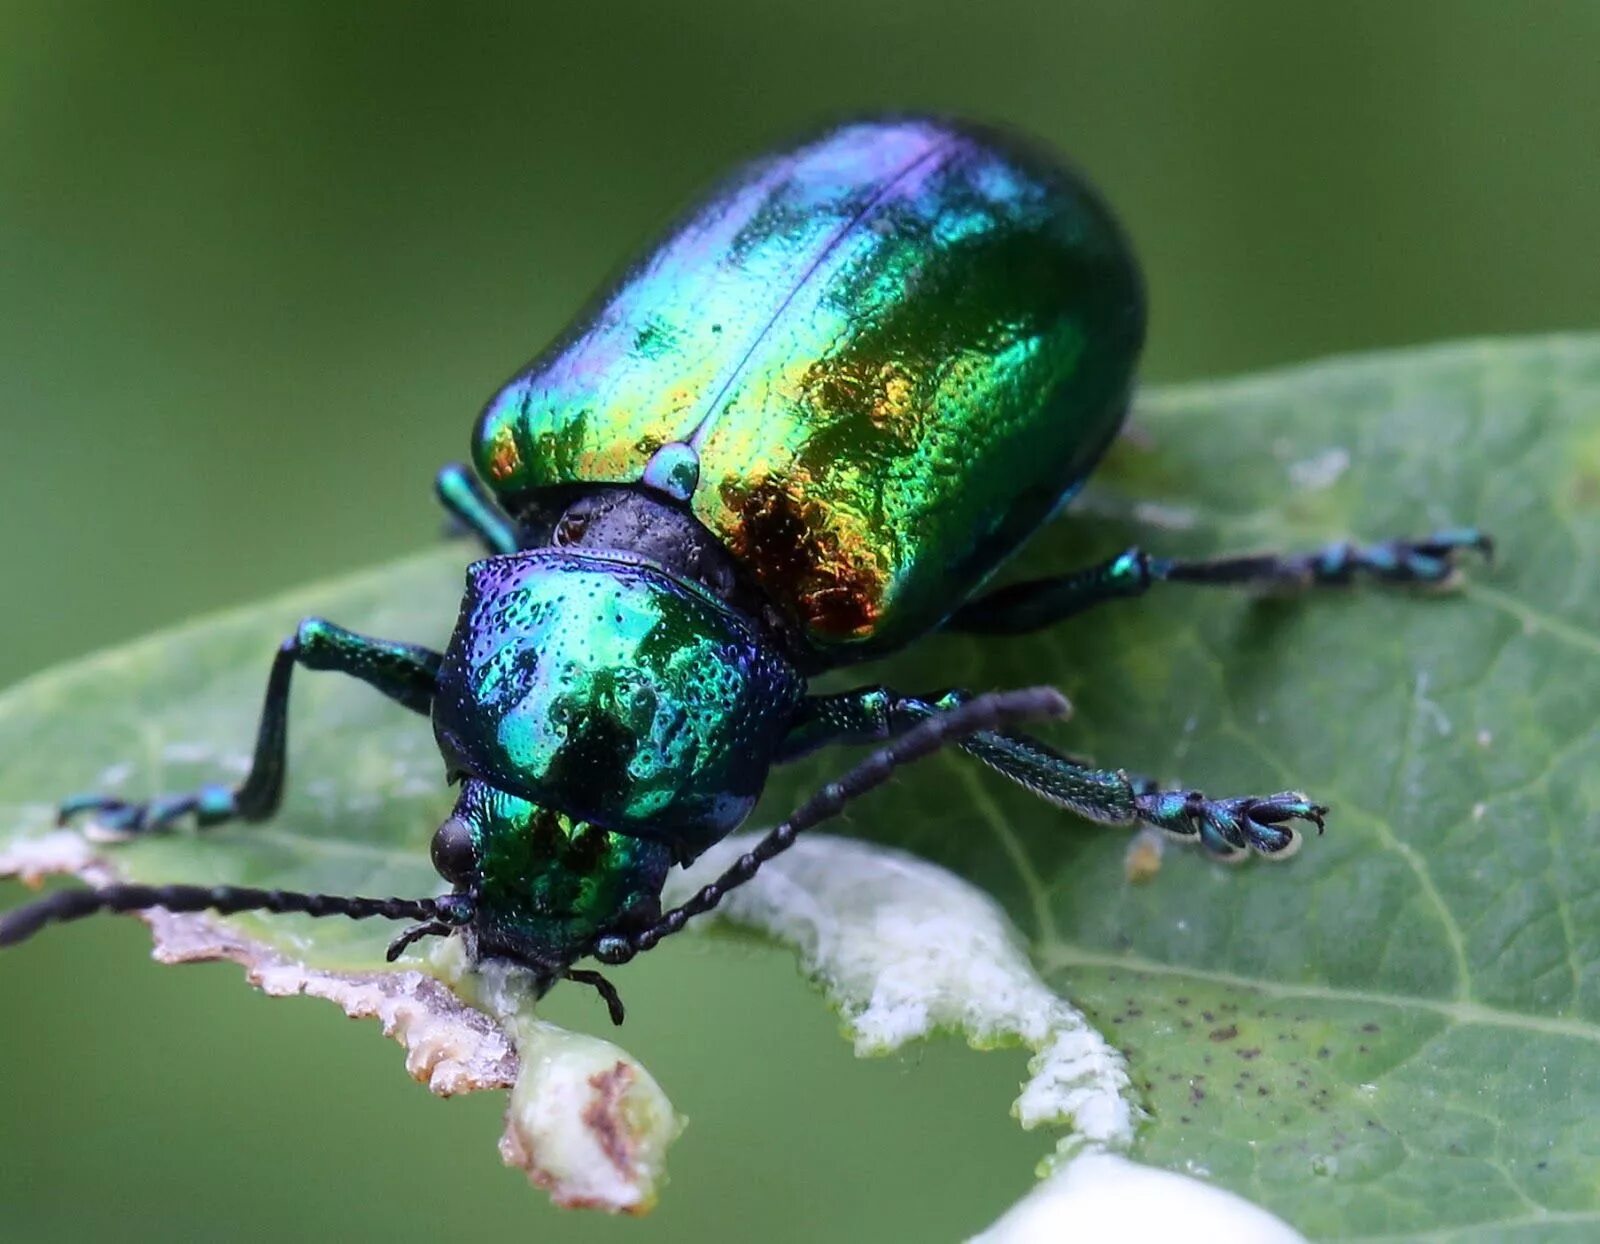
{"points": [[1395, 1035]]}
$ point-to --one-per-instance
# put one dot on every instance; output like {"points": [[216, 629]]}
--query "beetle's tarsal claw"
{"points": [[109, 818], [1432, 561], [606, 990], [1228, 827]]}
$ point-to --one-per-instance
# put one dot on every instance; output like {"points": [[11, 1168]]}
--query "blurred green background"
{"points": [[259, 265]]}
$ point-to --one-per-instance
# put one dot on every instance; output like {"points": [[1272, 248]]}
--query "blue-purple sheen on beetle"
{"points": [[800, 433]]}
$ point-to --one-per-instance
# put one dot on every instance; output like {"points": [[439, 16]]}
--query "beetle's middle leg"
{"points": [[406, 673], [1225, 827], [1037, 603]]}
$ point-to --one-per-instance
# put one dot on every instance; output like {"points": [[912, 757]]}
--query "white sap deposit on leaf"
{"points": [[1319, 471], [1167, 517], [587, 1122], [1102, 1196], [33, 859], [905, 948]]}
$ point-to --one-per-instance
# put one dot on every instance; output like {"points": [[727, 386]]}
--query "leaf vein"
{"points": [[1460, 1011]]}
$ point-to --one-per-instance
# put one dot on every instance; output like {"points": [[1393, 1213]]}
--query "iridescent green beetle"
{"points": [[800, 433]]}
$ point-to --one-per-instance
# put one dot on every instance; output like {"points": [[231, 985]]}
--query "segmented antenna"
{"points": [[21, 924], [984, 712]]}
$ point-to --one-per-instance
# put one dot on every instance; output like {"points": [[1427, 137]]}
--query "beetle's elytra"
{"points": [[892, 353], [799, 433]]}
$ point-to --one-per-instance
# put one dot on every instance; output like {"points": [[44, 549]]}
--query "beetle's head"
{"points": [[535, 886], [607, 719]]}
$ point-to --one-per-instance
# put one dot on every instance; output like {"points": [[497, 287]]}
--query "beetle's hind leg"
{"points": [[406, 673], [1028, 606], [1429, 561], [472, 508]]}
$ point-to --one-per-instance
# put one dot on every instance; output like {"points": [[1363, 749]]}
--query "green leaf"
{"points": [[1390, 1036]]}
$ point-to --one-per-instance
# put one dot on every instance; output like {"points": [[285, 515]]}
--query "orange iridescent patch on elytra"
{"points": [[895, 402], [826, 576], [851, 383], [504, 459], [893, 351]]}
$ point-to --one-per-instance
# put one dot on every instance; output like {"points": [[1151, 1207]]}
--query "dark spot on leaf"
{"points": [[1225, 1034], [603, 1116]]}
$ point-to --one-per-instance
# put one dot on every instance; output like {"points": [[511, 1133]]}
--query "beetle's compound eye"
{"points": [[454, 855], [574, 522]]}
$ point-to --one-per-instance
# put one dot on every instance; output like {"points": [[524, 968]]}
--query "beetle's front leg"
{"points": [[1225, 827], [406, 673], [470, 504], [1036, 603]]}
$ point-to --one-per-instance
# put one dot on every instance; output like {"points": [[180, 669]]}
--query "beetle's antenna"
{"points": [[24, 922], [984, 712]]}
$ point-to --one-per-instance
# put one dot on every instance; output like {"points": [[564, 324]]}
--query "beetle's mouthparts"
{"points": [[606, 990], [450, 912], [413, 935]]}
